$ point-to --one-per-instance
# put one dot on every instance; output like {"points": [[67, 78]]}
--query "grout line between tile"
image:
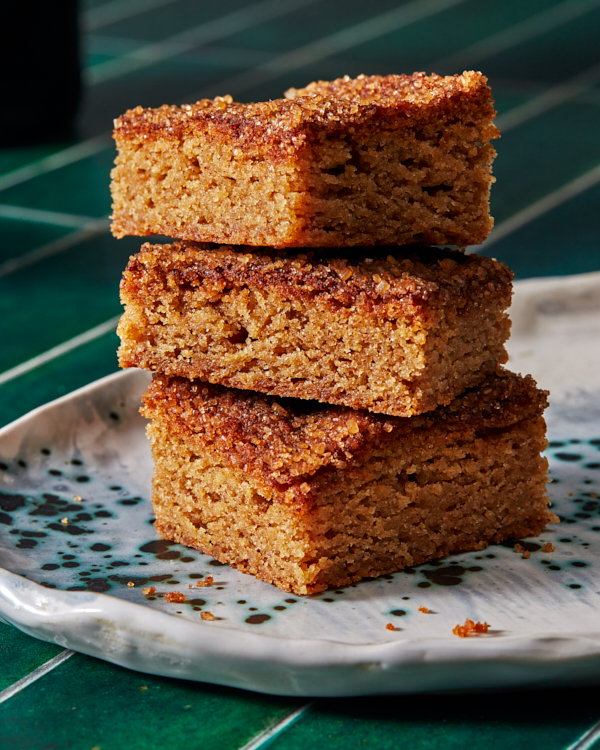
{"points": [[24, 682], [57, 351], [269, 734], [40, 216], [118, 10], [540, 207], [218, 28], [519, 33], [587, 740], [548, 99], [53, 248], [55, 161], [231, 57], [96, 144], [362, 32], [531, 89]]}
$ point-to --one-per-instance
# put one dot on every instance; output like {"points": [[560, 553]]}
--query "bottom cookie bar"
{"points": [[307, 496]]}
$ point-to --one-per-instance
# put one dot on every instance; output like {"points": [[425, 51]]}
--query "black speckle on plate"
{"points": [[99, 547], [10, 503], [257, 619], [26, 544], [156, 547], [67, 529]]}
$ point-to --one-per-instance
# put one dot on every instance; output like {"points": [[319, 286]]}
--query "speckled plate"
{"points": [[78, 547]]}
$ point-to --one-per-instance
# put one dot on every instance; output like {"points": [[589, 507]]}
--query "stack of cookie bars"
{"points": [[328, 400]]}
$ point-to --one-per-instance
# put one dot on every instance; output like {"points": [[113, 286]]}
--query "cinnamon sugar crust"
{"points": [[309, 496], [398, 331], [374, 160]]}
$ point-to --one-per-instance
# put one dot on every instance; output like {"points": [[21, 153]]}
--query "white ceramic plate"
{"points": [[68, 562]]}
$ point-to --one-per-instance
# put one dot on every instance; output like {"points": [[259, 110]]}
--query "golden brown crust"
{"points": [[287, 442], [282, 125], [373, 161], [396, 332], [412, 280]]}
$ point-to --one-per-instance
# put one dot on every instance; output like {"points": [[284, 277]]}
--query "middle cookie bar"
{"points": [[393, 331]]}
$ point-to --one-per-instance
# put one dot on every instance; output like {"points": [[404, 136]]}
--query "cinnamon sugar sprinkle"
{"points": [[470, 628], [524, 552], [175, 596]]}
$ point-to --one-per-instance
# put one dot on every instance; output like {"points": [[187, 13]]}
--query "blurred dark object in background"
{"points": [[40, 75]]}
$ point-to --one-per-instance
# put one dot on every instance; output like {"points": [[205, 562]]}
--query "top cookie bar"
{"points": [[374, 160]]}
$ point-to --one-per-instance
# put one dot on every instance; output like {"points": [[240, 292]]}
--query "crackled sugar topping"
{"points": [[398, 275], [283, 439], [416, 89], [324, 104]]}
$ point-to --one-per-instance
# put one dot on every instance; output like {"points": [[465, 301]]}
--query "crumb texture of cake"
{"points": [[374, 160], [308, 497], [399, 332]]}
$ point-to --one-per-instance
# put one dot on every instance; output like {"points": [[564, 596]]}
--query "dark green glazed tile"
{"points": [[18, 237], [542, 154], [86, 703], [308, 24], [20, 654], [553, 57], [96, 58], [58, 377], [89, 4], [78, 188], [539, 720], [61, 297], [178, 80], [506, 100], [561, 242], [420, 45], [172, 18], [15, 158]]}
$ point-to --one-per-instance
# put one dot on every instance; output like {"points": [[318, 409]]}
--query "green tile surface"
{"points": [[15, 158], [80, 188], [20, 237], [171, 19], [561, 243], [537, 720], [58, 377], [73, 291], [536, 158], [85, 703], [20, 655]]}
